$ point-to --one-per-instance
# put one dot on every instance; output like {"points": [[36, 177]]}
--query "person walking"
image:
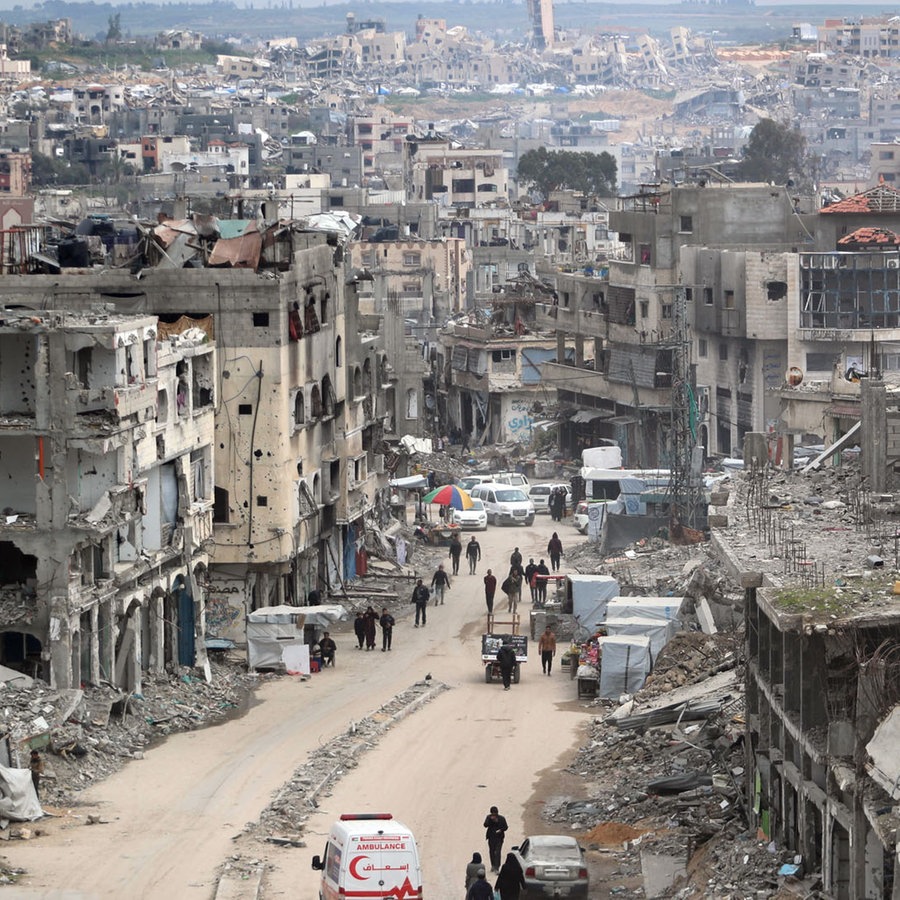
{"points": [[490, 588], [480, 889], [455, 552], [495, 828], [359, 629], [515, 560], [370, 617], [37, 769], [511, 880], [555, 551], [541, 583], [440, 583], [420, 597], [386, 621], [547, 649], [506, 658], [473, 554], [472, 870], [513, 590], [529, 577]]}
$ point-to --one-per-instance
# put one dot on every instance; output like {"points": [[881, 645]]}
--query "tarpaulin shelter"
{"points": [[658, 631], [271, 628], [625, 665], [590, 595]]}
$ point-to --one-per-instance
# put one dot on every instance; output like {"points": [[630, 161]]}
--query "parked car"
{"points": [[539, 494], [476, 517], [554, 866], [471, 481], [516, 479], [505, 505]]}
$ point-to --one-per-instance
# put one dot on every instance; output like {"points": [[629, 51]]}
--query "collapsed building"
{"points": [[202, 432]]}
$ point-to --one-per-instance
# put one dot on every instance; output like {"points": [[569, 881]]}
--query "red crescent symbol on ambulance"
{"points": [[352, 868]]}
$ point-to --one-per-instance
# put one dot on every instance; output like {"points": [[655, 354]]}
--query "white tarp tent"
{"points": [[624, 666], [590, 595], [271, 628], [663, 608], [659, 631], [18, 800]]}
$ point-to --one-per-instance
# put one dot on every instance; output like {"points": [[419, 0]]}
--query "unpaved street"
{"points": [[171, 818]]}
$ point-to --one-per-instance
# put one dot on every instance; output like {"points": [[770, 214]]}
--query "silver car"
{"points": [[554, 866]]}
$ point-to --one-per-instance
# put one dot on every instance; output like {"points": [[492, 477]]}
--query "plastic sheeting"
{"points": [[272, 628], [18, 800], [625, 665], [659, 631], [590, 596], [661, 608]]}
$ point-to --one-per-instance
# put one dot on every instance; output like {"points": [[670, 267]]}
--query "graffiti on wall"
{"points": [[225, 610], [518, 422]]}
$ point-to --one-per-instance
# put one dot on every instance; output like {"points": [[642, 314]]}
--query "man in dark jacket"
{"points": [[529, 577], [473, 554], [480, 889], [420, 597], [495, 828], [506, 657], [455, 552], [386, 621]]}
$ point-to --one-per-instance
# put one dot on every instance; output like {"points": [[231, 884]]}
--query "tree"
{"points": [[590, 173], [774, 152]]}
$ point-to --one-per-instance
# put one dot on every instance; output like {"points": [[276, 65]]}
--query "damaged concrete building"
{"points": [[260, 501], [106, 442]]}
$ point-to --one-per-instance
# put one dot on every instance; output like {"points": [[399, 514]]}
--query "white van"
{"points": [[505, 504], [516, 479], [369, 855]]}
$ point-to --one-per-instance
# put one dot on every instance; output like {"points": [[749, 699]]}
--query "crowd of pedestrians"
{"points": [[510, 881]]}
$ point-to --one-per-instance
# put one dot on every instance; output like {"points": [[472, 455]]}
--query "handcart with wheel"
{"points": [[491, 643]]}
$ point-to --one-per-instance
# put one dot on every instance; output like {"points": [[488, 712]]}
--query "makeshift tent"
{"points": [[18, 799], [658, 631], [271, 628], [590, 595], [662, 608], [624, 666]]}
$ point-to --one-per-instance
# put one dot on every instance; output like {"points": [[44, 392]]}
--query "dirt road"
{"points": [[172, 817]]}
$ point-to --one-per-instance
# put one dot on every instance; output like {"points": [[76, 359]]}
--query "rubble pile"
{"points": [[689, 658], [89, 734]]}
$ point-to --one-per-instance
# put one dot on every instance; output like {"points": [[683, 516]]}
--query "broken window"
{"points": [[645, 255], [687, 224], [315, 401], [260, 320], [728, 300], [299, 408], [202, 382], [220, 505], [708, 296], [702, 348], [723, 351], [337, 352], [776, 290]]}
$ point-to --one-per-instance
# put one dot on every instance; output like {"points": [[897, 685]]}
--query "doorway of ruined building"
{"points": [[840, 861], [184, 609], [85, 634], [22, 652]]}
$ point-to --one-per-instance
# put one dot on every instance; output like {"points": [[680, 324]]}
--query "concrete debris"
{"points": [[89, 734]]}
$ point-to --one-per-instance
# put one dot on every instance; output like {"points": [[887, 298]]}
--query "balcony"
{"points": [[134, 400]]}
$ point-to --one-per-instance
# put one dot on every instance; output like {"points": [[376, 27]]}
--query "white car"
{"points": [[476, 517], [539, 495], [504, 504]]}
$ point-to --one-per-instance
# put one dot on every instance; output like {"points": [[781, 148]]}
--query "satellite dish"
{"points": [[793, 376]]}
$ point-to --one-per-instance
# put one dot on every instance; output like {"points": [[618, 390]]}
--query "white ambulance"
{"points": [[370, 855]]}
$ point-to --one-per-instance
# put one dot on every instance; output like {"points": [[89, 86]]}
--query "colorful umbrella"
{"points": [[449, 495]]}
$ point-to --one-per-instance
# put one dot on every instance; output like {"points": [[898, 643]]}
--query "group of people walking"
{"points": [[510, 877], [366, 625], [534, 575]]}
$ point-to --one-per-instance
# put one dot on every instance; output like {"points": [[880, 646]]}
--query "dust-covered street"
{"points": [[169, 821]]}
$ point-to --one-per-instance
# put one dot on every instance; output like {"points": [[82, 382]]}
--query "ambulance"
{"points": [[369, 855]]}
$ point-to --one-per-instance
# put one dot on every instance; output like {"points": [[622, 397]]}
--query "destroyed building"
{"points": [[822, 679], [279, 491], [107, 457]]}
